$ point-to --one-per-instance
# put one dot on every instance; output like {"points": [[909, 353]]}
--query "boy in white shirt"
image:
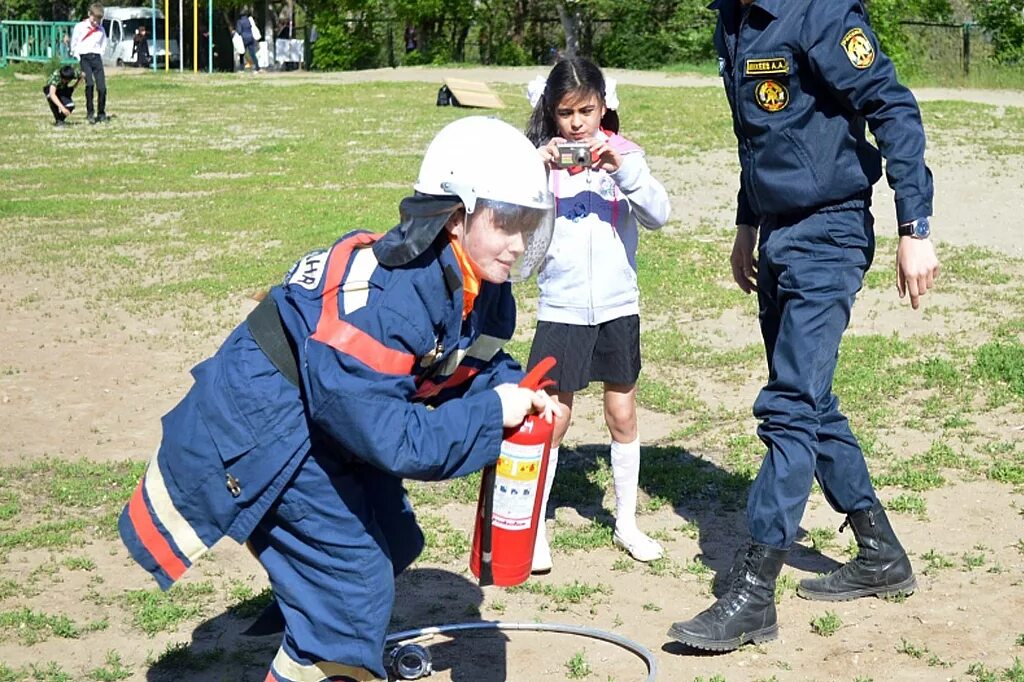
{"points": [[88, 40]]}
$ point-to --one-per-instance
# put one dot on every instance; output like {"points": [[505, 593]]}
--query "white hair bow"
{"points": [[611, 96], [535, 90]]}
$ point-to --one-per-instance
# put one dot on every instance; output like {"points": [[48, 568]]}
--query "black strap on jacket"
{"points": [[270, 335]]}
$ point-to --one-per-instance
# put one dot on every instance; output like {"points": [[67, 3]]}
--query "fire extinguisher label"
{"points": [[516, 484]]}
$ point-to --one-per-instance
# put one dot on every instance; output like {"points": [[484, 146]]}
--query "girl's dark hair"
{"points": [[578, 76], [67, 72]]}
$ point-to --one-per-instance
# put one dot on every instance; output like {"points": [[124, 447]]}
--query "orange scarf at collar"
{"points": [[470, 280]]}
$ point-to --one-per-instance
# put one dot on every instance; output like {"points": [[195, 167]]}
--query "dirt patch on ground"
{"points": [[78, 384]]}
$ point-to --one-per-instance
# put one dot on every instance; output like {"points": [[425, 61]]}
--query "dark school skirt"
{"points": [[608, 352]]}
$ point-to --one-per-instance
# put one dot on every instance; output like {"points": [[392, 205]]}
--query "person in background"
{"points": [[140, 47], [59, 88], [88, 41], [204, 47], [410, 38], [588, 315], [246, 28]]}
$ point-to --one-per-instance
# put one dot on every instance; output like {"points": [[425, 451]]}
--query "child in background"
{"points": [[140, 48], [59, 88], [88, 41], [588, 313]]}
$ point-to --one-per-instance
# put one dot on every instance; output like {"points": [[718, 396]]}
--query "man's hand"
{"points": [[744, 268], [916, 268]]}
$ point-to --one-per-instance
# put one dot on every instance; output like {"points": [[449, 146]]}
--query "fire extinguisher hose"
{"points": [[486, 540], [629, 645]]}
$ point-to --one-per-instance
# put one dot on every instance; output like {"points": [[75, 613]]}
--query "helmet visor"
{"points": [[535, 224]]}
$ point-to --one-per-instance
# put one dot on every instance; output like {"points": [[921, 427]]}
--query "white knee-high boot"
{"points": [[626, 475], [541, 551]]}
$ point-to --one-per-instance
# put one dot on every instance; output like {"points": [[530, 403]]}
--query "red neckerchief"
{"points": [[93, 29]]}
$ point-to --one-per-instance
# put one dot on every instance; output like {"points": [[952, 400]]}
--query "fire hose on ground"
{"points": [[409, 660]]}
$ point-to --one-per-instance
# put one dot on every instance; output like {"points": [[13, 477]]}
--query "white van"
{"points": [[120, 23]]}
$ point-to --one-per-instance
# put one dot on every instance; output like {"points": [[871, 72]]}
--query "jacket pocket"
{"points": [[805, 159], [232, 438]]}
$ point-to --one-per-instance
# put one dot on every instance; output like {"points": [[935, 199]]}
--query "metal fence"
{"points": [[938, 49], [35, 41]]}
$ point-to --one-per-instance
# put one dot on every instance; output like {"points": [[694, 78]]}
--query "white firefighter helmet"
{"points": [[478, 157], [486, 162]]}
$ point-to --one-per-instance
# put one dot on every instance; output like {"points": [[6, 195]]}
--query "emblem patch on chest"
{"points": [[766, 67], [858, 48], [772, 96]]}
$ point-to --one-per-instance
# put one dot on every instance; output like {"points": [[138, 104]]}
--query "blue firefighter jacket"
{"points": [[802, 78], [381, 351]]}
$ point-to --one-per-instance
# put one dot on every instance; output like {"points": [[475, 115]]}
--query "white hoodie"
{"points": [[588, 275]]}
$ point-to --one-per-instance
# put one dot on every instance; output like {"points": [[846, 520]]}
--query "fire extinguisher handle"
{"points": [[536, 378]]}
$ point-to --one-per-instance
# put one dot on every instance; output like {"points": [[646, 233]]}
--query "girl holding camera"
{"points": [[588, 312]]}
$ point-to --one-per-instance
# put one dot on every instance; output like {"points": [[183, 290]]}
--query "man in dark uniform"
{"points": [[803, 77]]}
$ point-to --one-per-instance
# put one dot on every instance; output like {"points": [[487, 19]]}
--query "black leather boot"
{"points": [[746, 612], [880, 569]]}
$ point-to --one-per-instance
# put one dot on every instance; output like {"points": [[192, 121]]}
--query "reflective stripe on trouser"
{"points": [[287, 669], [331, 547], [809, 273]]}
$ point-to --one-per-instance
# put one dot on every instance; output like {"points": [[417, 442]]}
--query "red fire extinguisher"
{"points": [[509, 511]]}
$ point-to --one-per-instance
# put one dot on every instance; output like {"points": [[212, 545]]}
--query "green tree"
{"points": [[652, 34], [441, 25], [1003, 20], [902, 46], [352, 33]]}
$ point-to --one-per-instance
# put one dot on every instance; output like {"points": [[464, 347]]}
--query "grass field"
{"points": [[204, 190]]}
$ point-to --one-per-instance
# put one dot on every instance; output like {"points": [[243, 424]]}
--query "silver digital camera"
{"points": [[573, 154]]}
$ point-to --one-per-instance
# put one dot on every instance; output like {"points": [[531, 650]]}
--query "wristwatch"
{"points": [[918, 229]]}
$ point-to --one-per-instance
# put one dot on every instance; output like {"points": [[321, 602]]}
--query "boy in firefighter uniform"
{"points": [[298, 432]]}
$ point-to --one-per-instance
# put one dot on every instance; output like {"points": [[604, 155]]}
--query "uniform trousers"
{"points": [[810, 268], [331, 546]]}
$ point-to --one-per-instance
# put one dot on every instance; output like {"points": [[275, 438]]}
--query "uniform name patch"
{"points": [[308, 271], [771, 96], [858, 48], [766, 67]]}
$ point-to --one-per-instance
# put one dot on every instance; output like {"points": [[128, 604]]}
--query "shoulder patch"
{"points": [[858, 48], [308, 271], [766, 66]]}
